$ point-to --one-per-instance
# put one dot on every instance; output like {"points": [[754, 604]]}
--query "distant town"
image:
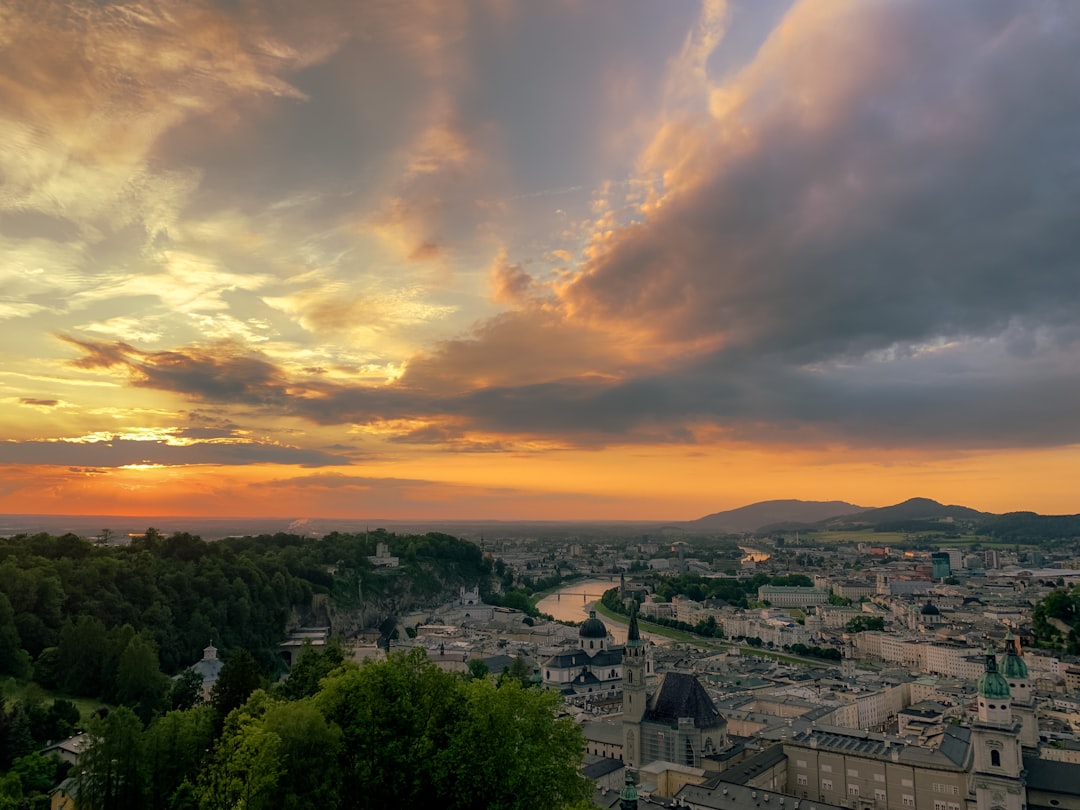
{"points": [[909, 657]]}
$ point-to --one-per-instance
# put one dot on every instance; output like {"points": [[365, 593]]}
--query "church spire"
{"points": [[633, 635]]}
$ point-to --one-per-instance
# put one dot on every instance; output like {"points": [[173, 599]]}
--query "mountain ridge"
{"points": [[753, 516]]}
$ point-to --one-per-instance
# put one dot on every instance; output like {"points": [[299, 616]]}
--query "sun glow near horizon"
{"points": [[614, 260]]}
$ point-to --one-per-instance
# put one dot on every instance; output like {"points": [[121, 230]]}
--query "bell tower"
{"points": [[1015, 671], [635, 696], [995, 740]]}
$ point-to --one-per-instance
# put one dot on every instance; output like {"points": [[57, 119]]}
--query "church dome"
{"points": [[1012, 665], [992, 684], [930, 610], [593, 627]]}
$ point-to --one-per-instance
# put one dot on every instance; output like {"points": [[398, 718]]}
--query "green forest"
{"points": [[86, 625], [1056, 620]]}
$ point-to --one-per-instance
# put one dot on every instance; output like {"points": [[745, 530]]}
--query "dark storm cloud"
{"points": [[222, 372], [890, 255], [939, 201]]}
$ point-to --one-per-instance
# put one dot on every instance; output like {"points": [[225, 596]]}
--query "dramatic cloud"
{"points": [[115, 452], [429, 241]]}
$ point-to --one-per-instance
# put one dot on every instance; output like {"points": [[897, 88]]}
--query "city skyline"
{"points": [[470, 259]]}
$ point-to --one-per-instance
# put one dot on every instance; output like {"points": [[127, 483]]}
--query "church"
{"points": [[592, 671], [678, 723]]}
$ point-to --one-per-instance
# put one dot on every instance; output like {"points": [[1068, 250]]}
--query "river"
{"points": [[572, 603], [753, 555]]}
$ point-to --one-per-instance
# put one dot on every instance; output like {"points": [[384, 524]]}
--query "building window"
{"points": [[852, 772], [909, 800], [995, 759], [879, 795], [801, 763], [879, 777], [853, 790], [826, 768], [906, 783], [826, 784], [940, 806]]}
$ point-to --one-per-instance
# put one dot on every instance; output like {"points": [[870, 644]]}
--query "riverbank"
{"points": [[708, 643]]}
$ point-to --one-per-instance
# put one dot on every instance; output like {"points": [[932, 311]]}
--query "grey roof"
{"points": [[604, 730], [578, 658], [740, 797], [948, 749], [585, 678], [1053, 777], [681, 695], [601, 767], [746, 770], [207, 668]]}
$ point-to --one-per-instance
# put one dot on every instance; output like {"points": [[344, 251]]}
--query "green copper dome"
{"points": [[628, 797], [1013, 666], [992, 684]]}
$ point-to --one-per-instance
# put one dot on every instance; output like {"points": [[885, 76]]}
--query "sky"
{"points": [[509, 259]]}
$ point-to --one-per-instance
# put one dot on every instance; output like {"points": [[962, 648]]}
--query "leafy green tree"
{"points": [[186, 691], [81, 655], [11, 792], [139, 682], [14, 660], [36, 773], [530, 762], [246, 766], [239, 677], [62, 720], [312, 665], [478, 669], [858, 624], [517, 671], [111, 769], [309, 750], [413, 735], [394, 715], [16, 734], [175, 750]]}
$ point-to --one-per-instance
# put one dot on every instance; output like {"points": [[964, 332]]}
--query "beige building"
{"points": [[979, 766]]}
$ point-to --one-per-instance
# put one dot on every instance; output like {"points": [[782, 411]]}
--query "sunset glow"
{"points": [[614, 259]]}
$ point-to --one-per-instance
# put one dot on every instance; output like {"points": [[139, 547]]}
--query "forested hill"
{"points": [[69, 608]]}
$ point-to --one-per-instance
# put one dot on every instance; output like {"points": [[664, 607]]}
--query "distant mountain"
{"points": [[912, 511], [751, 518]]}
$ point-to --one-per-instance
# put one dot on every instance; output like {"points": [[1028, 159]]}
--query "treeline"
{"points": [[1029, 527], [398, 733], [735, 592], [111, 622]]}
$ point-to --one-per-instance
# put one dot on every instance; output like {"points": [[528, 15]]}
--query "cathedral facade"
{"points": [[677, 723]]}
